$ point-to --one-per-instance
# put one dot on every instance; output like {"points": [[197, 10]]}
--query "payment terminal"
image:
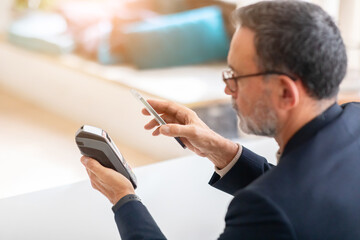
{"points": [[95, 143]]}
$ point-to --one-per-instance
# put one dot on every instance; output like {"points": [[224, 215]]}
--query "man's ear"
{"points": [[288, 92]]}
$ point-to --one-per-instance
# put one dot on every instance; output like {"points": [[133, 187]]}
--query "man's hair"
{"points": [[300, 39]]}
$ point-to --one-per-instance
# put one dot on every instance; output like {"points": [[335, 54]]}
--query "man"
{"points": [[286, 62]]}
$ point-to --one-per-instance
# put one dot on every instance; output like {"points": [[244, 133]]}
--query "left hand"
{"points": [[110, 183]]}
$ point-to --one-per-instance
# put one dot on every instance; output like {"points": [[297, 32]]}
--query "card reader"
{"points": [[95, 143]]}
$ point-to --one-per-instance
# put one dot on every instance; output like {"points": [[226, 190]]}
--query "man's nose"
{"points": [[228, 92]]}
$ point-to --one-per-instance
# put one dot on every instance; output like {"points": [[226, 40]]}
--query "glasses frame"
{"points": [[229, 74]]}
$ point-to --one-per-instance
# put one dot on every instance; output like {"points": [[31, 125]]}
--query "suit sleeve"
{"points": [[135, 222], [251, 216], [249, 167]]}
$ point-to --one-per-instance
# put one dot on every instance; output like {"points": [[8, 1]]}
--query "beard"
{"points": [[262, 120]]}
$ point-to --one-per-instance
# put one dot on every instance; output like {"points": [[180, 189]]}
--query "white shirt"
{"points": [[222, 172]]}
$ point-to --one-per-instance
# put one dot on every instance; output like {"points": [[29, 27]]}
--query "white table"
{"points": [[175, 192]]}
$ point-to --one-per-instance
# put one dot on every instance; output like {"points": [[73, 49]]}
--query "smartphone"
{"points": [[153, 113], [95, 143]]}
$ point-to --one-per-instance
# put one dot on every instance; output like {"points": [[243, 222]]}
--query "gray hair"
{"points": [[300, 39]]}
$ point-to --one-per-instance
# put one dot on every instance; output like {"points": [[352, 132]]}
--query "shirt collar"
{"points": [[307, 131]]}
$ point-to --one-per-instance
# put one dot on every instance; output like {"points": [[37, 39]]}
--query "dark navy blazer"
{"points": [[313, 193]]}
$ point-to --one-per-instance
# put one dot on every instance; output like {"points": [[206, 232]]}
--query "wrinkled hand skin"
{"points": [[194, 133]]}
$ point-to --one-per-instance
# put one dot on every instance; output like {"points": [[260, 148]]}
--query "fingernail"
{"points": [[84, 160], [165, 129]]}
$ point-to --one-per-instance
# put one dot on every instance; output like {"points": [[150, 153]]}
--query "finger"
{"points": [[156, 132], [88, 162], [150, 125], [180, 113], [88, 172], [96, 168], [83, 159], [170, 108], [169, 119], [144, 111], [153, 123], [158, 105], [107, 181], [93, 179], [176, 130], [100, 187]]}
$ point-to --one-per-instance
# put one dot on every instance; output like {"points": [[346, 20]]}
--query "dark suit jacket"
{"points": [[313, 193]]}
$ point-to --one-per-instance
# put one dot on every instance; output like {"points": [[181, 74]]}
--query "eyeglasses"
{"points": [[230, 78]]}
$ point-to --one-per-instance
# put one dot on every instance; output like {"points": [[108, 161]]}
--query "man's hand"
{"points": [[107, 181], [195, 134]]}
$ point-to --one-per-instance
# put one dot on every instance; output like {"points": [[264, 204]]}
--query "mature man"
{"points": [[286, 62]]}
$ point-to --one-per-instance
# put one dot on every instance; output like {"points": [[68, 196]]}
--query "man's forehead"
{"points": [[242, 53]]}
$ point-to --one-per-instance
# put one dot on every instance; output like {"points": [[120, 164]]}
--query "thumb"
{"points": [[95, 167], [176, 130]]}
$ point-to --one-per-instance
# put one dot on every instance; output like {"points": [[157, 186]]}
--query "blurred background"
{"points": [[65, 63]]}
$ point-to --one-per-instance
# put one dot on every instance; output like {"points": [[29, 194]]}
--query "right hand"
{"points": [[195, 134]]}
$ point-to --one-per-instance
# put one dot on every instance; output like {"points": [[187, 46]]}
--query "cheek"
{"points": [[243, 102], [248, 96]]}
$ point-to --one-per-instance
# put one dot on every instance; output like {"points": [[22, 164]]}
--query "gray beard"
{"points": [[262, 121]]}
